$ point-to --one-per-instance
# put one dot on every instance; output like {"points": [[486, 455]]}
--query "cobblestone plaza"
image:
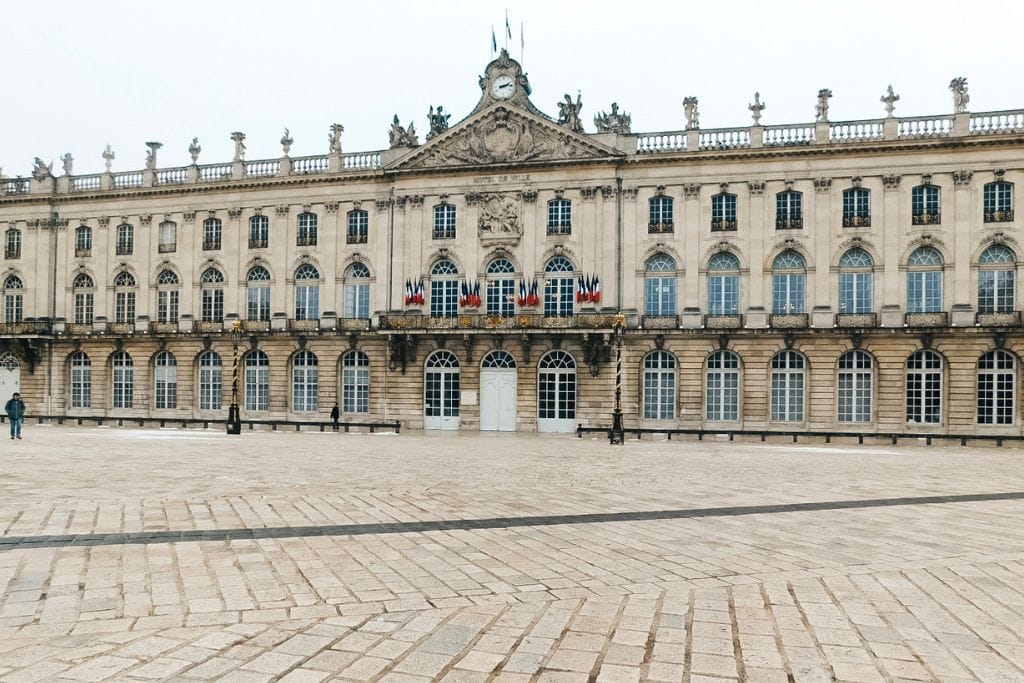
{"points": [[140, 555]]}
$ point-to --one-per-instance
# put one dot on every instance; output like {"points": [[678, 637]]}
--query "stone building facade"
{"points": [[836, 276]]}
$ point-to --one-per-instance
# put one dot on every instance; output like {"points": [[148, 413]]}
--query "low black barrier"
{"points": [[186, 422]]}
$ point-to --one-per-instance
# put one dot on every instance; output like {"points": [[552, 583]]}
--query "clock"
{"points": [[503, 87]]}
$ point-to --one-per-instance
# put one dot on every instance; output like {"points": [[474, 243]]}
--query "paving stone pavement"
{"points": [[463, 557]]}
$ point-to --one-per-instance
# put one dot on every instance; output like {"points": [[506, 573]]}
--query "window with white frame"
{"points": [[125, 239], [856, 275], [998, 202], [788, 383], [660, 214], [259, 231], [444, 290], [84, 290], [167, 296], [168, 237], [307, 292], [444, 222], [660, 286], [857, 207], [357, 291], [212, 230], [123, 384], [789, 214], [558, 288], [257, 380], [924, 205], [924, 388], [501, 288], [924, 281], [306, 235], [165, 381], [14, 301], [997, 267], [856, 378], [723, 212], [358, 227], [722, 394], [83, 240], [13, 249], [659, 386], [124, 298], [723, 284], [559, 217], [304, 382], [81, 380], [997, 388], [211, 381], [789, 277], [355, 382], [257, 293], [211, 284]]}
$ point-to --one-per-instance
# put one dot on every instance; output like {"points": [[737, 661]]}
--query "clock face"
{"points": [[503, 87]]}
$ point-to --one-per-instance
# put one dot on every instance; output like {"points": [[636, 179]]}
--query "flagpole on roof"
{"points": [[521, 43]]}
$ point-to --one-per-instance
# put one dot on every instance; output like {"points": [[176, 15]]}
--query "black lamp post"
{"points": [[615, 434], [234, 421]]}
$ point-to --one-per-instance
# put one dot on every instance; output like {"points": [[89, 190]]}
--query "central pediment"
{"points": [[503, 134]]}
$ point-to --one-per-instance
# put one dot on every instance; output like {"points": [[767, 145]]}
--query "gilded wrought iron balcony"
{"points": [[124, 250], [211, 245], [12, 252], [167, 247], [660, 227], [856, 320], [306, 241], [788, 321], [723, 225], [257, 244], [782, 223], [81, 253], [998, 216], [356, 238], [933, 319], [856, 221], [559, 228], [926, 218], [723, 321]]}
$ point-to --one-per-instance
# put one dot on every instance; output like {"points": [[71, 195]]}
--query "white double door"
{"points": [[10, 378], [498, 399]]}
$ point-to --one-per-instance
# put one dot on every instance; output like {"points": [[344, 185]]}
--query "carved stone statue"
{"points": [[614, 122], [821, 110], [438, 121], [286, 142], [889, 100], [67, 160], [239, 139], [692, 115], [41, 171], [108, 156], [194, 149], [334, 138], [499, 221], [151, 155], [401, 136], [569, 113], [960, 97], [756, 108]]}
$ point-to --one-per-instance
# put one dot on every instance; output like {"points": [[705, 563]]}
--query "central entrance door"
{"points": [[556, 393], [10, 378], [498, 392], [441, 391]]}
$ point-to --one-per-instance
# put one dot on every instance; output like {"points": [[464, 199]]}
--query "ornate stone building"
{"points": [[837, 276]]}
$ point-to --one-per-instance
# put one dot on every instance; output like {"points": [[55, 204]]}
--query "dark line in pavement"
{"points": [[146, 537]]}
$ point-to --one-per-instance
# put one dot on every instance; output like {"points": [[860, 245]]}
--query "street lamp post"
{"points": [[615, 434], [234, 421]]}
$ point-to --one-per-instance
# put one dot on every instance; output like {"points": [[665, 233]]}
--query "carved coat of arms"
{"points": [[499, 221]]}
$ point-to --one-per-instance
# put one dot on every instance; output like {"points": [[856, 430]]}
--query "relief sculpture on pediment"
{"points": [[499, 222]]}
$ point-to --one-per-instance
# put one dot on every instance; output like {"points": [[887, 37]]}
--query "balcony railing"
{"points": [[124, 250], [856, 320], [211, 245], [998, 216], [306, 241], [926, 218], [659, 322], [12, 252], [356, 238], [789, 223], [257, 244], [82, 253], [856, 221], [167, 247], [559, 228], [1005, 319], [935, 319], [657, 228], [788, 321], [723, 322], [723, 225], [522, 320]]}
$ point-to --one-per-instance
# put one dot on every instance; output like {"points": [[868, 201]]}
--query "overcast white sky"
{"points": [[79, 75]]}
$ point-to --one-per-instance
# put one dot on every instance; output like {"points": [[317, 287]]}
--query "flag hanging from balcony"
{"points": [[533, 298], [476, 293], [408, 292], [463, 295], [417, 297], [522, 293], [595, 291]]}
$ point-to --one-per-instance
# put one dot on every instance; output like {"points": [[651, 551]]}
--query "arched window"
{"points": [[789, 213], [924, 281], [355, 382], [211, 381], [998, 202], [856, 377], [13, 249], [168, 237], [660, 285], [304, 382], [307, 292], [788, 382], [124, 298], [501, 288], [358, 227], [659, 383], [660, 213], [259, 231], [125, 239], [924, 388], [855, 282], [357, 291], [996, 280], [124, 379], [257, 293], [499, 360], [167, 294], [723, 284], [212, 293], [997, 388], [723, 212], [924, 205], [306, 235], [257, 380], [559, 217], [83, 240], [444, 222], [441, 392], [81, 380], [556, 388], [857, 207], [723, 386], [558, 288], [14, 302], [165, 382], [789, 276], [212, 229], [444, 290], [84, 290]]}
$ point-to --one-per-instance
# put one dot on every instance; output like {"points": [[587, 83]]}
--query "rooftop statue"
{"points": [[239, 139], [889, 99], [438, 121], [41, 171], [569, 113], [692, 115], [194, 149], [613, 122], [401, 136], [334, 138], [67, 160], [756, 108], [286, 142], [151, 155], [821, 110], [960, 97], [108, 156]]}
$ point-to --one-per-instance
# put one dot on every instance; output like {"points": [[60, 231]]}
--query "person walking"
{"points": [[335, 414], [15, 409]]}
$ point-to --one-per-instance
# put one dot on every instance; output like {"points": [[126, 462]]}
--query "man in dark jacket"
{"points": [[15, 409], [335, 414]]}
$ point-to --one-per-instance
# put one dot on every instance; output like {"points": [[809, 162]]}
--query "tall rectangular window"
{"points": [[125, 239], [723, 212], [856, 208], [855, 379], [924, 205], [660, 214], [168, 237], [213, 305], [211, 233], [358, 227], [789, 210], [259, 232], [124, 307], [258, 303], [307, 230], [13, 249], [444, 222], [83, 308], [559, 217], [998, 201]]}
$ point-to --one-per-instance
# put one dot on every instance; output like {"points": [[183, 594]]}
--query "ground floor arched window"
{"points": [[997, 384], [556, 392], [257, 381], [211, 381], [659, 386], [305, 379], [165, 382], [924, 388], [441, 391], [788, 387], [723, 386], [123, 379], [855, 381], [81, 380], [355, 382]]}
